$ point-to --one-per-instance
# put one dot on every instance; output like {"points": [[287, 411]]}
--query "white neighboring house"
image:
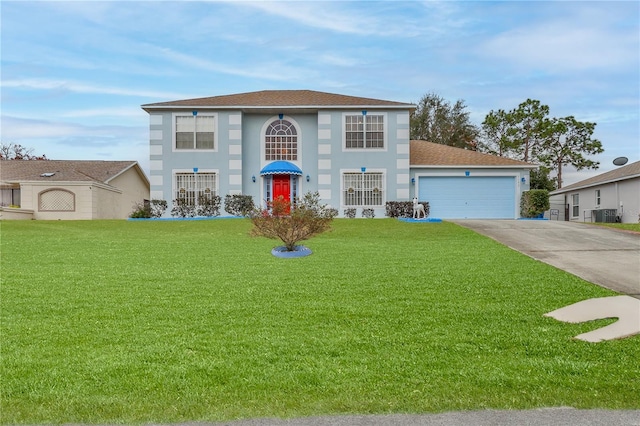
{"points": [[613, 196], [70, 189]]}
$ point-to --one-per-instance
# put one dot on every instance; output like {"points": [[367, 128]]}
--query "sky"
{"points": [[75, 73]]}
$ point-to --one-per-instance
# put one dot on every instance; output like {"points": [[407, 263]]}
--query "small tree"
{"points": [[534, 202], [292, 223]]}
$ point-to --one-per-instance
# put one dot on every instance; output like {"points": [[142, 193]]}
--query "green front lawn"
{"points": [[625, 226], [157, 322]]}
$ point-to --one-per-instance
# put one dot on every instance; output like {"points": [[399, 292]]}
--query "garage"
{"points": [[469, 197]]}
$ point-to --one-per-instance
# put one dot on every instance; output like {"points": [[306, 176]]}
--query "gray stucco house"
{"points": [[613, 196], [354, 151]]}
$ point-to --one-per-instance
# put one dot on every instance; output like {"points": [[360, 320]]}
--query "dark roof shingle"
{"points": [[423, 153], [63, 170], [280, 98], [622, 173]]}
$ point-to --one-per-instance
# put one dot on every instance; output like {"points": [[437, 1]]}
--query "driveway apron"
{"points": [[603, 256]]}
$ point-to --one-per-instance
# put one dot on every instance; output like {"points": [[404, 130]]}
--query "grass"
{"points": [[157, 322], [625, 226]]}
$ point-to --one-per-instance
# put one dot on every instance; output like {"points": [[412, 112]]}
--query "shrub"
{"points": [[182, 209], [534, 202], [238, 205], [208, 206], [292, 223], [403, 208], [157, 208], [368, 213], [141, 210], [350, 213]]}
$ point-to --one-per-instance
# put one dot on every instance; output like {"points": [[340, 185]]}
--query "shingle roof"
{"points": [[63, 170], [423, 153], [629, 171], [280, 98]]}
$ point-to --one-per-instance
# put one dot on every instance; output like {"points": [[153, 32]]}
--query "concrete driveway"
{"points": [[600, 255]]}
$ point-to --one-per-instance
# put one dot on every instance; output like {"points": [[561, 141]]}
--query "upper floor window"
{"points": [[364, 131], [281, 141], [195, 131], [597, 197], [363, 189]]}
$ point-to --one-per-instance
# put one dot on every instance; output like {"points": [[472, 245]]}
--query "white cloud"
{"points": [[85, 88]]}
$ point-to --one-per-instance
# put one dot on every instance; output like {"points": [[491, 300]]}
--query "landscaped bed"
{"points": [[156, 322]]}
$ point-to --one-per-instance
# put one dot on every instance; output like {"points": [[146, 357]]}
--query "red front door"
{"points": [[282, 186]]}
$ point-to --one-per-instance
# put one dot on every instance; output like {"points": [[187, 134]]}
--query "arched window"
{"points": [[56, 200], [281, 141]]}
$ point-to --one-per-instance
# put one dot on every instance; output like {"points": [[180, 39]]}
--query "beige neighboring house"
{"points": [[613, 196], [70, 190]]}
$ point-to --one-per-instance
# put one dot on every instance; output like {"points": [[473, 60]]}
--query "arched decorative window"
{"points": [[56, 200], [281, 141]]}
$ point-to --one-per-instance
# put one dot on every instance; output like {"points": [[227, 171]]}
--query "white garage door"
{"points": [[469, 197]]}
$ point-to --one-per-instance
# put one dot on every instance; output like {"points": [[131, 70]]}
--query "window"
{"points": [[362, 189], [195, 131], [575, 205], [281, 141], [57, 200], [10, 197], [190, 185], [364, 131], [597, 198]]}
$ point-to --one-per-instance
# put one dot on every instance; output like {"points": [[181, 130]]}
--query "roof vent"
{"points": [[47, 174]]}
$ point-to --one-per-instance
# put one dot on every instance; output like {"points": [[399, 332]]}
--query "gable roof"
{"points": [[423, 153], [280, 98], [65, 170], [630, 171]]}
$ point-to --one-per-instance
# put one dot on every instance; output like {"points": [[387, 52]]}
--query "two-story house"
{"points": [[355, 152]]}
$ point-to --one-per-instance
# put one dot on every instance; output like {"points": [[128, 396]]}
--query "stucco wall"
{"points": [[83, 208], [622, 196], [238, 155], [134, 189]]}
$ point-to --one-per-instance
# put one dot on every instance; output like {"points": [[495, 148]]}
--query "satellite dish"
{"points": [[620, 161]]}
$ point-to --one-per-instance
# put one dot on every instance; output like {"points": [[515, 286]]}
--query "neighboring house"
{"points": [[59, 189], [355, 152], [608, 197]]}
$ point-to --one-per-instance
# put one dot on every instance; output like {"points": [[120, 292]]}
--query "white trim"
{"points": [[311, 107], [235, 119], [216, 130], [200, 171], [324, 119], [155, 119], [385, 129], [324, 149], [591, 185], [474, 166], [359, 171]]}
